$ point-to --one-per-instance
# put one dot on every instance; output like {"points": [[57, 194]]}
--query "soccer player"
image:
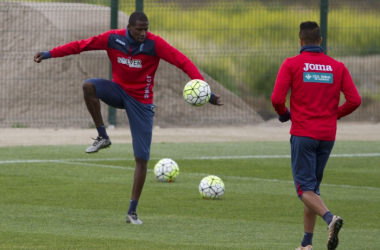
{"points": [[135, 54], [315, 81]]}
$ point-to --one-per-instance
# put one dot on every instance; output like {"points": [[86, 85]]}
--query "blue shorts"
{"points": [[140, 115], [309, 158]]}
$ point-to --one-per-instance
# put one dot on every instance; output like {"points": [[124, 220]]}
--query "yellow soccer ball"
{"points": [[196, 92]]}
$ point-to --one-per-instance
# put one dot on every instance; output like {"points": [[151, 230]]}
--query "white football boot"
{"points": [[133, 219], [98, 144]]}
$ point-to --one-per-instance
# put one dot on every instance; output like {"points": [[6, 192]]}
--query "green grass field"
{"points": [[57, 197]]}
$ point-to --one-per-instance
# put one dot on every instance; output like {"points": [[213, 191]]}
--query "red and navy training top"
{"points": [[134, 64], [316, 81]]}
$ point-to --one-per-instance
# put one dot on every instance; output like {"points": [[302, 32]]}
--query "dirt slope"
{"points": [[49, 94]]}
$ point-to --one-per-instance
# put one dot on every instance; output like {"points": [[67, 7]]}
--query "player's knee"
{"points": [[142, 160], [88, 87]]}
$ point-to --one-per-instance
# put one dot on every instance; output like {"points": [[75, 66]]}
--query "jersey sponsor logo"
{"points": [[132, 63], [318, 77], [121, 42], [147, 91], [320, 67]]}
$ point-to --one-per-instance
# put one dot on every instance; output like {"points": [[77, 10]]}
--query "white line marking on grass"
{"points": [[273, 156], [28, 161], [96, 165], [355, 155], [189, 158], [236, 157], [284, 181], [349, 186], [81, 163], [64, 160], [72, 162]]}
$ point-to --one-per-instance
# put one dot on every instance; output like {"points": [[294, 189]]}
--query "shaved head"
{"points": [[137, 16]]}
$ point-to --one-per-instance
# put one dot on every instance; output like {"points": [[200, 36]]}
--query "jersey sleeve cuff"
{"points": [[212, 96], [46, 55]]}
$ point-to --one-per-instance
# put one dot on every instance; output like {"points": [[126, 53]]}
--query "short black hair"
{"points": [[137, 16], [310, 32]]}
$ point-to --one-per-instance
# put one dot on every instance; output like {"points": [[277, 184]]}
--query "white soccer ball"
{"points": [[197, 92], [211, 187], [166, 170]]}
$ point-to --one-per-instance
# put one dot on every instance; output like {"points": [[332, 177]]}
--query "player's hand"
{"points": [[41, 56], [215, 99], [285, 117]]}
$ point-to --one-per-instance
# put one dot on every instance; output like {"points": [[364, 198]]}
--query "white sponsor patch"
{"points": [[132, 63]]}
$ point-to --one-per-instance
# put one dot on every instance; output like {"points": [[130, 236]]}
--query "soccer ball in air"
{"points": [[166, 170], [211, 187], [197, 92]]}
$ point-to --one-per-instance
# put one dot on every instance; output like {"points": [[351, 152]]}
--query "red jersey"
{"points": [[316, 81], [134, 64]]}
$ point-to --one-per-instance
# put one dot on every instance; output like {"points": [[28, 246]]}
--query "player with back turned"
{"points": [[315, 81], [135, 54]]}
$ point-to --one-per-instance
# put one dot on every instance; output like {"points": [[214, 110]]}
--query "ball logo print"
{"points": [[166, 170], [211, 187], [197, 92]]}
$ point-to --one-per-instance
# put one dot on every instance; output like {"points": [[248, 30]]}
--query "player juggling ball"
{"points": [[135, 54], [315, 81]]}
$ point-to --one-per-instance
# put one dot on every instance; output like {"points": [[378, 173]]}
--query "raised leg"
{"points": [[92, 103]]}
